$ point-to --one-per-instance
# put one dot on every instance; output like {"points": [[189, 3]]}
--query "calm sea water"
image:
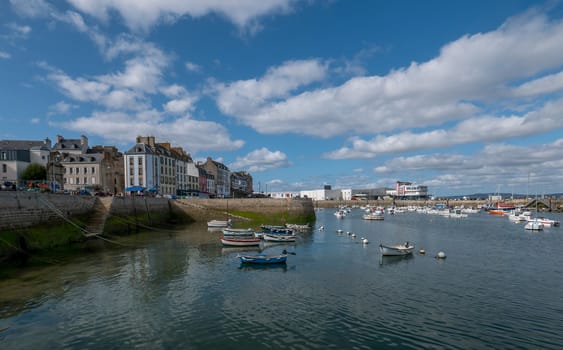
{"points": [[500, 287]]}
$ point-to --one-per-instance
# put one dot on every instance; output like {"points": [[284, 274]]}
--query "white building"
{"points": [[322, 195]]}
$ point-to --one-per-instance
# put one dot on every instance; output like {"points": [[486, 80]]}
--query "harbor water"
{"points": [[500, 287]]}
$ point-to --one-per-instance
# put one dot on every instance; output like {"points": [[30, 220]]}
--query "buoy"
{"points": [[353, 235], [321, 228], [441, 255], [422, 252], [339, 231], [348, 233], [365, 241]]}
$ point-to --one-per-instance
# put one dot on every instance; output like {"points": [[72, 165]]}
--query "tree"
{"points": [[34, 172]]}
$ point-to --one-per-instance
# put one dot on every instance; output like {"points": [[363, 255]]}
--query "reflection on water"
{"points": [[183, 289], [389, 260]]}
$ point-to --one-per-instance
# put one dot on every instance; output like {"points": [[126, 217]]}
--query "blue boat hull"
{"points": [[263, 259]]}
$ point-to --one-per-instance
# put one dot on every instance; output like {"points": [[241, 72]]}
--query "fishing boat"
{"points": [[501, 208], [240, 242], [262, 259], [534, 226], [219, 223], [398, 249], [278, 238], [238, 232]]}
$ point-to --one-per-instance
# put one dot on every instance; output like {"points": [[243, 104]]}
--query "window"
{"points": [[4, 156], [93, 180], [85, 180], [69, 170], [4, 168], [85, 170], [64, 180], [77, 170], [93, 170], [78, 181]]}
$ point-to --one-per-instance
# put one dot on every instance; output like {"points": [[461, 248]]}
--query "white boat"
{"points": [[219, 223], [546, 222], [238, 232], [520, 217], [373, 216], [240, 242], [398, 249], [534, 226], [278, 238]]}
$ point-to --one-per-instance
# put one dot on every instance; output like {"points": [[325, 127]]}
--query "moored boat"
{"points": [[219, 223], [534, 226], [398, 249], [240, 242], [278, 238], [263, 259], [238, 232], [373, 216], [546, 222]]}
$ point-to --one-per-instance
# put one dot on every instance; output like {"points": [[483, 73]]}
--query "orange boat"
{"points": [[501, 208]]}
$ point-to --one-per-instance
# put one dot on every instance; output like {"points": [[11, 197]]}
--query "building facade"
{"points": [[17, 155], [241, 184], [222, 178]]}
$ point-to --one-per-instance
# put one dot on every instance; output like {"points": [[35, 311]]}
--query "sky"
{"points": [[461, 96]]}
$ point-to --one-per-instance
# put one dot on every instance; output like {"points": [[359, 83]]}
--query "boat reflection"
{"points": [[391, 260], [253, 267], [238, 250]]}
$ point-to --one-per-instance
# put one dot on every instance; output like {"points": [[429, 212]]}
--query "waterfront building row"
{"points": [[403, 190], [158, 168]]}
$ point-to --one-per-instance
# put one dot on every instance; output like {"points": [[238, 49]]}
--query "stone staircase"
{"points": [[100, 213]]}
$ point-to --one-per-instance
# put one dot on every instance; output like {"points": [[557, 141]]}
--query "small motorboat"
{"points": [[238, 232], [219, 223], [263, 259], [278, 238], [534, 225], [240, 242], [398, 249]]}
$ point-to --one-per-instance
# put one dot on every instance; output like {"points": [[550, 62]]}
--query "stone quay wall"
{"points": [[208, 209], [25, 209]]}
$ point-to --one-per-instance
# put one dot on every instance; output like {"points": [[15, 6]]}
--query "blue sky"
{"points": [[461, 96]]}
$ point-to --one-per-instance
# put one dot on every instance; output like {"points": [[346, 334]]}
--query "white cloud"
{"points": [[246, 96], [35, 120], [261, 160], [31, 8], [5, 55], [472, 130], [471, 74], [61, 108], [543, 85], [495, 164], [143, 14], [16, 31], [192, 135], [192, 67]]}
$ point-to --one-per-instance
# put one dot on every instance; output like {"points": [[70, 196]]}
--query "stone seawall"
{"points": [[25, 209], [208, 209]]}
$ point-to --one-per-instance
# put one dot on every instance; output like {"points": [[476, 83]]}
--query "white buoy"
{"points": [[365, 241], [422, 252], [321, 228], [353, 235], [339, 231], [348, 233], [441, 255]]}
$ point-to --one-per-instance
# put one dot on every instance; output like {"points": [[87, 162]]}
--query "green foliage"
{"points": [[257, 219], [35, 172]]}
